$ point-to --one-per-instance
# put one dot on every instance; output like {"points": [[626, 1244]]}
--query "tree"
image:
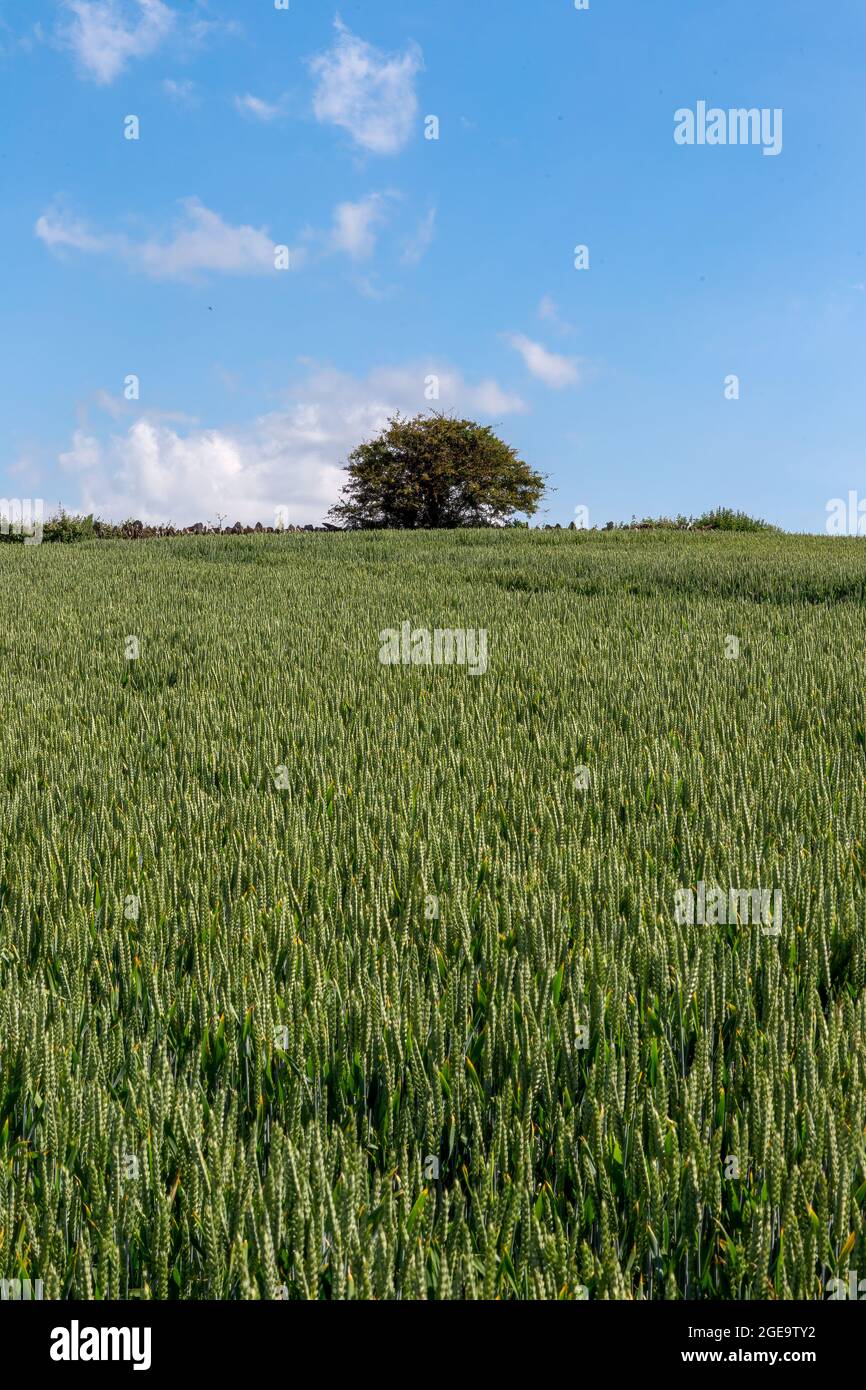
{"points": [[435, 471]]}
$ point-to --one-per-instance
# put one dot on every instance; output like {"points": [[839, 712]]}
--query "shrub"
{"points": [[725, 519], [67, 528], [719, 519]]}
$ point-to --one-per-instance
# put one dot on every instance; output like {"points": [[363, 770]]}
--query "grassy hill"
{"points": [[323, 978]]}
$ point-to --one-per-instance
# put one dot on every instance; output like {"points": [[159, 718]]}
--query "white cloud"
{"points": [[184, 93], [488, 398], [355, 224], [115, 406], [292, 457], [10, 42], [261, 110], [57, 229], [204, 242], [371, 287], [201, 31], [366, 92], [200, 242], [119, 408], [24, 466], [85, 454], [548, 310], [417, 248], [106, 35], [408, 387], [555, 371]]}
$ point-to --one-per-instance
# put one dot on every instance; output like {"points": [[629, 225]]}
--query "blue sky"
{"points": [[411, 258]]}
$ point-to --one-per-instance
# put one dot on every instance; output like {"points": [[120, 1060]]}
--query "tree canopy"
{"points": [[435, 471]]}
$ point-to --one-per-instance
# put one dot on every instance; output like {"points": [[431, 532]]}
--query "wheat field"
{"points": [[327, 979]]}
